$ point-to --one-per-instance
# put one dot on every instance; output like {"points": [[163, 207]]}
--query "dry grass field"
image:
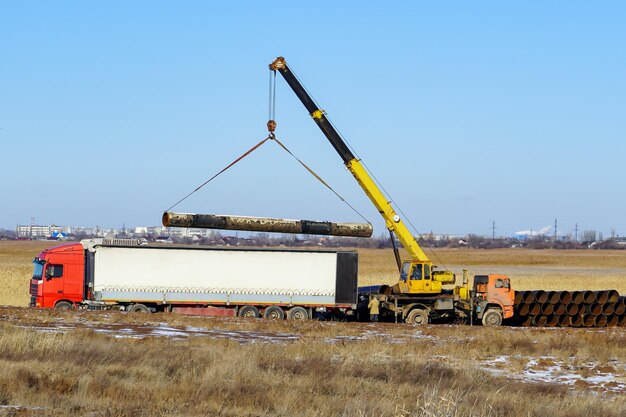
{"points": [[16, 268], [116, 364], [529, 269], [81, 363]]}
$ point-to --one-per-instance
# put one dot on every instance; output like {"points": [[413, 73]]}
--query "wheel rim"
{"points": [[492, 319], [298, 315], [249, 314], [417, 317], [273, 314]]}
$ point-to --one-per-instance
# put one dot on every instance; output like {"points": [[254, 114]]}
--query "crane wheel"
{"points": [[274, 313], [492, 318], [417, 317]]}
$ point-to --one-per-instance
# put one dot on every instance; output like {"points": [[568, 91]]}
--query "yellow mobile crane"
{"points": [[417, 275], [418, 295]]}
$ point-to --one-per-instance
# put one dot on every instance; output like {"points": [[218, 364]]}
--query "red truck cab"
{"points": [[58, 277]]}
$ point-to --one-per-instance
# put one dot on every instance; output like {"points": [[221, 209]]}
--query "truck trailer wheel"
{"points": [[492, 317], [64, 305], [297, 313], [274, 313], [249, 312], [417, 316], [137, 308]]}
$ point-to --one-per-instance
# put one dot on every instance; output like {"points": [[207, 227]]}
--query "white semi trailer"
{"points": [[249, 282]]}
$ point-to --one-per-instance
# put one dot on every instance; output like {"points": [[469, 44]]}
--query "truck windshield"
{"points": [[38, 272]]}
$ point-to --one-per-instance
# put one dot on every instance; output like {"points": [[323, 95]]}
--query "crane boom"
{"points": [[393, 222], [416, 275]]}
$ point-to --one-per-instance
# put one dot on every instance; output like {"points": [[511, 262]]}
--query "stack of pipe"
{"points": [[570, 308]]}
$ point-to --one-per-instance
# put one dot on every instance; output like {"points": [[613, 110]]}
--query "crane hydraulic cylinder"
{"points": [[264, 224]]}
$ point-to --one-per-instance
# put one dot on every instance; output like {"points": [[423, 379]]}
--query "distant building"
{"points": [[36, 231]]}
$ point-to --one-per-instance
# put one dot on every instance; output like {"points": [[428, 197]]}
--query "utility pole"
{"points": [[576, 232], [493, 230]]}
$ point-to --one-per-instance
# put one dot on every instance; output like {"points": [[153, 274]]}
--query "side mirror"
{"points": [[48, 277]]}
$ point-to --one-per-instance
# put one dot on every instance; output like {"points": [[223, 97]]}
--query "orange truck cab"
{"points": [[58, 277], [493, 298]]}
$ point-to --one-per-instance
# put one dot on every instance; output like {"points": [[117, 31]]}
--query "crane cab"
{"points": [[417, 278]]}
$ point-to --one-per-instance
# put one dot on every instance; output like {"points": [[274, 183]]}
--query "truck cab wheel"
{"points": [[249, 312], [274, 313], [298, 313], [492, 317], [64, 305], [137, 308], [417, 316]]}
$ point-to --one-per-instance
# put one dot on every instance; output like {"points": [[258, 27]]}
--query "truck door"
{"points": [[53, 284]]}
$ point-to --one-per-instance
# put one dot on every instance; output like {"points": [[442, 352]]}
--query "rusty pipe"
{"points": [[577, 297], [552, 321], [263, 224], [612, 320], [522, 309], [576, 321], [622, 320], [566, 297], [526, 321], [547, 309], [572, 309], [560, 309], [613, 296], [619, 308], [589, 297], [554, 297], [540, 320], [540, 296], [528, 297], [534, 309], [601, 320], [589, 320], [608, 309], [594, 309], [519, 297], [601, 296], [564, 321]]}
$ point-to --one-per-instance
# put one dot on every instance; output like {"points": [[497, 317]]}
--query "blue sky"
{"points": [[467, 112]]}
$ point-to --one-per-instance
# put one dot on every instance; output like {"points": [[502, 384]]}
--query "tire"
{"points": [[137, 308], [298, 313], [274, 313], [492, 318], [64, 305], [417, 317], [249, 312]]}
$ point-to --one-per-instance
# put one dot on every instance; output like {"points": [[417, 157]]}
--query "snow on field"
{"points": [[547, 369], [138, 331]]}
